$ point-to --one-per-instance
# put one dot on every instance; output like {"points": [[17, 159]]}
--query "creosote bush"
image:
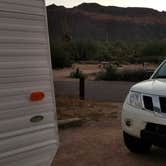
{"points": [[77, 74], [112, 74]]}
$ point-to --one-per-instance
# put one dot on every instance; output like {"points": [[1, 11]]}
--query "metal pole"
{"points": [[82, 88]]}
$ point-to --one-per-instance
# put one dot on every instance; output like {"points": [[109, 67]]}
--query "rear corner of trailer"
{"points": [[28, 124]]}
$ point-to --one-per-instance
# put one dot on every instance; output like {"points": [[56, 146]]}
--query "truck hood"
{"points": [[152, 86]]}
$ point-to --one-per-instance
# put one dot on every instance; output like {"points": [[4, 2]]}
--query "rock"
{"points": [[74, 122]]}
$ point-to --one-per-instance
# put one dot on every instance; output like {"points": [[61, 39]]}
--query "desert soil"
{"points": [[99, 141]]}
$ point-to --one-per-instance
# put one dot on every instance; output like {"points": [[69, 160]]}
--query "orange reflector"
{"points": [[37, 96]]}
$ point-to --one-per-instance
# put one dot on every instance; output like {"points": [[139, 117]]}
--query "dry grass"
{"points": [[86, 110]]}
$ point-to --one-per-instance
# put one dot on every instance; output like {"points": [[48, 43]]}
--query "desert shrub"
{"points": [[133, 75], [77, 74], [61, 54], [66, 52], [153, 52], [112, 74]]}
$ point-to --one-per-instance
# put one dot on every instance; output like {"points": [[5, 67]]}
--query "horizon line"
{"points": [[143, 7]]}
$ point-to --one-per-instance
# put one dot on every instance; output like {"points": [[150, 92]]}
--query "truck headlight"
{"points": [[135, 99]]}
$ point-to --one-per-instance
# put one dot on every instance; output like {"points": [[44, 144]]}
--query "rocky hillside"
{"points": [[90, 21]]}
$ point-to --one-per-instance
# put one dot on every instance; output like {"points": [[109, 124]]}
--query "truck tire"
{"points": [[136, 145]]}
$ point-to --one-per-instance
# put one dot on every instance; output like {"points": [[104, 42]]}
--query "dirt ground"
{"points": [[99, 141]]}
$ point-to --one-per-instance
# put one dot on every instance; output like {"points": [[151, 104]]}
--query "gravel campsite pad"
{"points": [[99, 141]]}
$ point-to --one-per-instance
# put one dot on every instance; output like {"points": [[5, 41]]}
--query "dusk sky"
{"points": [[156, 4]]}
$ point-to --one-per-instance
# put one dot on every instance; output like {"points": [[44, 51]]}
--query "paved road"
{"points": [[114, 91]]}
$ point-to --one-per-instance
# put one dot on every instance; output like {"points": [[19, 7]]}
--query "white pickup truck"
{"points": [[144, 113]]}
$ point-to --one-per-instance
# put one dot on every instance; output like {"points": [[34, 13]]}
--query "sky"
{"points": [[155, 4]]}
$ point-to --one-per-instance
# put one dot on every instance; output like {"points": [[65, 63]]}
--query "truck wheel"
{"points": [[136, 145]]}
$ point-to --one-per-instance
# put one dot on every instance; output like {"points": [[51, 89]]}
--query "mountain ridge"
{"points": [[91, 21]]}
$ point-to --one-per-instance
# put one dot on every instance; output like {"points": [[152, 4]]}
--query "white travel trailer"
{"points": [[28, 129]]}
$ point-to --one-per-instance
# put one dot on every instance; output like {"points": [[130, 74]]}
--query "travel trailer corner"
{"points": [[28, 125]]}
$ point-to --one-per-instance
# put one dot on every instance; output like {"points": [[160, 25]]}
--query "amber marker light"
{"points": [[37, 96]]}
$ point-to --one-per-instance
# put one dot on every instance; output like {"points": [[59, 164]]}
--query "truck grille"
{"points": [[163, 104], [148, 103], [159, 107]]}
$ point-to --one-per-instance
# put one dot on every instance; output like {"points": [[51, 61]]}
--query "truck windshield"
{"points": [[161, 73]]}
